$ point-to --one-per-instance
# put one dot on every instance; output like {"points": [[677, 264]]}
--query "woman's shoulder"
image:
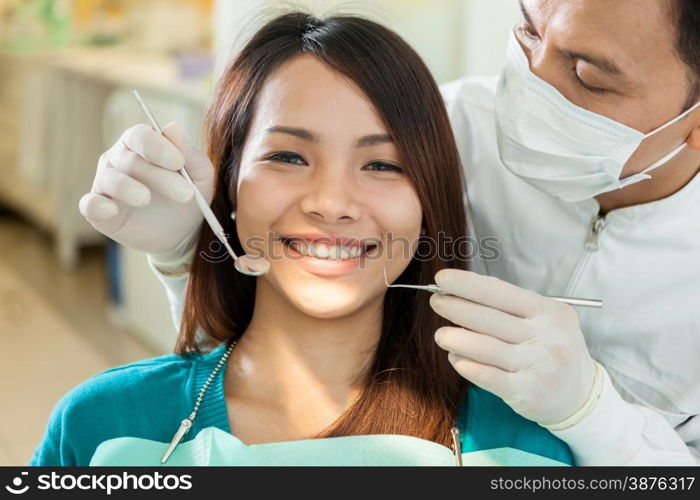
{"points": [[127, 384], [146, 398], [137, 375], [487, 422]]}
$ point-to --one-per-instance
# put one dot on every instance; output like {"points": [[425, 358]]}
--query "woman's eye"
{"points": [[286, 157], [383, 166]]}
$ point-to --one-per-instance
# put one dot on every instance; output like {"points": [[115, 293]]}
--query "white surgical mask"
{"points": [[560, 148]]}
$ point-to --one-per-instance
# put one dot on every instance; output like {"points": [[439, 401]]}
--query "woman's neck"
{"points": [[289, 359]]}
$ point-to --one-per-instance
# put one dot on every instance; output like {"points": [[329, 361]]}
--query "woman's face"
{"points": [[320, 176]]}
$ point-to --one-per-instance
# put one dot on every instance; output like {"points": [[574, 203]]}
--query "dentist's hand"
{"points": [[525, 348], [138, 197]]}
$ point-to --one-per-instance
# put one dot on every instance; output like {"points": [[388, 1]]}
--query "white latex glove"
{"points": [[140, 200], [525, 348]]}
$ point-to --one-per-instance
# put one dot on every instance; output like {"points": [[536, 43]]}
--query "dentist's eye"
{"points": [[286, 157], [383, 166], [590, 88]]}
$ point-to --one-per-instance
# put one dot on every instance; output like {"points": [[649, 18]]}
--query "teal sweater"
{"points": [[148, 399]]}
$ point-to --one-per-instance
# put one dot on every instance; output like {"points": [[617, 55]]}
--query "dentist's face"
{"points": [[320, 176], [617, 58]]}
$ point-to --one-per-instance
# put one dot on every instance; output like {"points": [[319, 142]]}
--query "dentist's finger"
{"points": [[198, 165], [153, 147], [485, 349], [491, 292], [487, 377], [119, 186], [170, 184], [97, 208], [482, 319]]}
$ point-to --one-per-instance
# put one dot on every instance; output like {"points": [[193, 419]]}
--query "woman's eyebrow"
{"points": [[299, 132], [373, 139], [308, 135]]}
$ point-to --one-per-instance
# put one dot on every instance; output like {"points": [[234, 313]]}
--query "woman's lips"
{"points": [[328, 266]]}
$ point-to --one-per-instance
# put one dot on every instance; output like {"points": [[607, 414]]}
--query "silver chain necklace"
{"points": [[186, 424]]}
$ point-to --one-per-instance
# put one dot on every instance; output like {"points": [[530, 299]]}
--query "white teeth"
{"points": [[323, 251], [299, 246]]}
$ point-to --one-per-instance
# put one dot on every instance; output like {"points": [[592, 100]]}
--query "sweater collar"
{"points": [[212, 410]]}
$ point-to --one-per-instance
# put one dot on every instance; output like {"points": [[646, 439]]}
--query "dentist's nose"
{"points": [[332, 197], [542, 62], [546, 62]]}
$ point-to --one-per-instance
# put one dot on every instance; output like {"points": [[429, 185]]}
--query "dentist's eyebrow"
{"points": [[373, 140], [299, 132], [601, 63]]}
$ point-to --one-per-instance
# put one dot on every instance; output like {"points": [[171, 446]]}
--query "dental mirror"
{"points": [[245, 264], [252, 266]]}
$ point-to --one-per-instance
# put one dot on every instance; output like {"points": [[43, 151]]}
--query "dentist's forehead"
{"points": [[628, 35]]}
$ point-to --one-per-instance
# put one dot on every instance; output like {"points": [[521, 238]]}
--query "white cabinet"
{"points": [[60, 111], [50, 146]]}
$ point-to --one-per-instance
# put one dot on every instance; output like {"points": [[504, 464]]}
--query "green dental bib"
{"points": [[213, 446]]}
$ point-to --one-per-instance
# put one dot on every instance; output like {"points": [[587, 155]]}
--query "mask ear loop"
{"points": [[644, 173], [674, 121], [665, 159]]}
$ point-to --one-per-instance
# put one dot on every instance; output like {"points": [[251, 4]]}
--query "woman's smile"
{"points": [[327, 255]]}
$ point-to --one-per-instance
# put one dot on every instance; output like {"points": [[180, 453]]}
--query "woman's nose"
{"points": [[332, 196]]}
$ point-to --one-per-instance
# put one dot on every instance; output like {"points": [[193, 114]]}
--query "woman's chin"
{"points": [[329, 304]]}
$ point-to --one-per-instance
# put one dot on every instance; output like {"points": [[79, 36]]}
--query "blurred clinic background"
{"points": [[73, 303]]}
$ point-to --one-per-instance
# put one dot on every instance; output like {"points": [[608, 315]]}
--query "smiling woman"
{"points": [[331, 145], [329, 132]]}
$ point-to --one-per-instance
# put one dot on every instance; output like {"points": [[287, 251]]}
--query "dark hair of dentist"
{"points": [[686, 15]]}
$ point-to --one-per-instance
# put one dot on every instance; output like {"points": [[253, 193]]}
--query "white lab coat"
{"points": [[642, 261]]}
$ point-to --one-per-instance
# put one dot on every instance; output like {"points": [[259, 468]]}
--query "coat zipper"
{"points": [[594, 233], [590, 247]]}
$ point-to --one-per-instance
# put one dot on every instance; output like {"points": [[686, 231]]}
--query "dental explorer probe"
{"points": [[244, 264], [432, 288]]}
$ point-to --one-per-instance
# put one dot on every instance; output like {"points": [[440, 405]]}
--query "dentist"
{"points": [[582, 161]]}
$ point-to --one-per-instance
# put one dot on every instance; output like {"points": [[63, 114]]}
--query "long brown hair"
{"points": [[410, 387]]}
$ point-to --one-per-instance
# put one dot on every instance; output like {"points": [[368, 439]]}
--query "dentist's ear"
{"points": [[693, 140]]}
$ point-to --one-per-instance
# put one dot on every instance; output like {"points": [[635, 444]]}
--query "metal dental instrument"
{"points": [[245, 264], [456, 446], [432, 288]]}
